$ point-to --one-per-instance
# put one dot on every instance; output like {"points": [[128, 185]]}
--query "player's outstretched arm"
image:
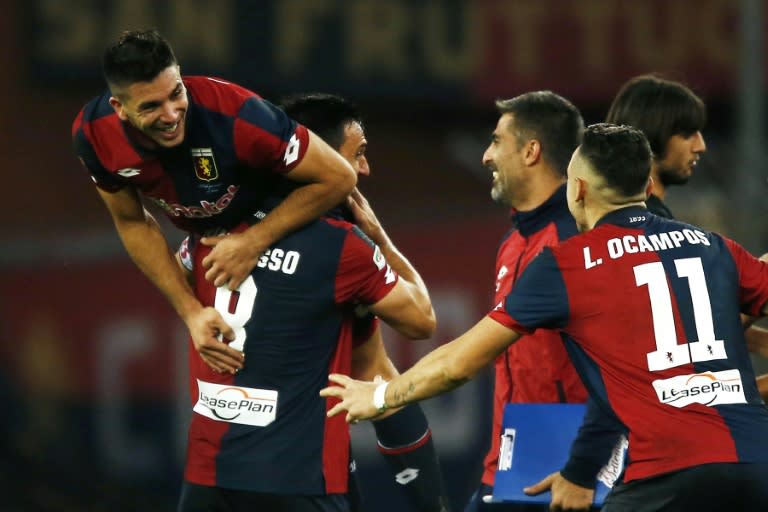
{"points": [[328, 179], [145, 243], [445, 368]]}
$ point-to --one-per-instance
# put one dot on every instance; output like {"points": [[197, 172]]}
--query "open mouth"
{"points": [[169, 132]]}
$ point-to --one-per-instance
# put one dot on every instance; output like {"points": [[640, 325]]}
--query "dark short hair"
{"points": [[138, 56], [620, 154], [325, 114], [551, 119], [660, 108]]}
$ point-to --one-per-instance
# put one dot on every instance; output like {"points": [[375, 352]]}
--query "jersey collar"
{"points": [[531, 221], [627, 216]]}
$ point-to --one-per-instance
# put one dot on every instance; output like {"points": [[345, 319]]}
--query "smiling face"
{"points": [[157, 108], [504, 158], [354, 147], [681, 155]]}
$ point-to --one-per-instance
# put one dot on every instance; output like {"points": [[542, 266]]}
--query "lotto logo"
{"points": [[406, 476], [292, 151]]}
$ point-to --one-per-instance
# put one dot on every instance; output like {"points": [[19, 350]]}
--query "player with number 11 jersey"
{"points": [[683, 385]]}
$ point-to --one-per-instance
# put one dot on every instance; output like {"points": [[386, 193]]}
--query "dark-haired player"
{"points": [[204, 150]]}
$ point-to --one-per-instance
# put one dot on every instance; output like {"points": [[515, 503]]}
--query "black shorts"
{"points": [[709, 487], [200, 498]]}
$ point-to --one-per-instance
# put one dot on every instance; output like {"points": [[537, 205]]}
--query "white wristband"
{"points": [[379, 394]]}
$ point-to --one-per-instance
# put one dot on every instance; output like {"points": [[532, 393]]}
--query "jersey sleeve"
{"points": [[593, 446], [753, 279], [85, 152], [363, 274], [266, 138], [538, 300]]}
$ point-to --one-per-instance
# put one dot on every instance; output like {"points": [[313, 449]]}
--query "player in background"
{"points": [[650, 308], [404, 438], [672, 117], [533, 140], [204, 150]]}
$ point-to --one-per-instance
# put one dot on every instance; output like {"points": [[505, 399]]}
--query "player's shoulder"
{"points": [[217, 94], [348, 229], [565, 224], [95, 110]]}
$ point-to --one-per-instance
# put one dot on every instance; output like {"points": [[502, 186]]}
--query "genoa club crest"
{"points": [[205, 165]]}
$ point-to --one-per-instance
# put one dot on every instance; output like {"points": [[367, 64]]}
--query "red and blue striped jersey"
{"points": [[265, 429], [536, 369], [235, 146], [650, 312]]}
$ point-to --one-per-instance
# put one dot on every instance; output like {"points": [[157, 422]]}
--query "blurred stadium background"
{"points": [[92, 359]]}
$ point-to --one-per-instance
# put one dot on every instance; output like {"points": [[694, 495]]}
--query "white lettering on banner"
{"points": [[708, 388], [66, 32], [236, 404]]}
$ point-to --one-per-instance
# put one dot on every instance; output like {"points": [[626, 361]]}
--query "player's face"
{"points": [[504, 158], [680, 157], [354, 147], [157, 108], [575, 206]]}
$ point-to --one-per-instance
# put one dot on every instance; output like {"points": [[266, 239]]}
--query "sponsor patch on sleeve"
{"points": [[378, 258]]}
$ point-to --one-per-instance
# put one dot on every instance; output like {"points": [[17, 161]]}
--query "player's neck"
{"points": [[597, 211], [657, 188], [540, 192]]}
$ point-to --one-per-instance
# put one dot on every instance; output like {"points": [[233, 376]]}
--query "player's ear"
{"points": [[581, 189], [117, 105], [532, 152], [649, 187]]}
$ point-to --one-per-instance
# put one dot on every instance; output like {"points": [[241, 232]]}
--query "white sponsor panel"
{"points": [[708, 388], [236, 404]]}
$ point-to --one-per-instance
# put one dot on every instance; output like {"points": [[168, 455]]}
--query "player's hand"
{"points": [[364, 217], [211, 336], [565, 495], [356, 398], [232, 258]]}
